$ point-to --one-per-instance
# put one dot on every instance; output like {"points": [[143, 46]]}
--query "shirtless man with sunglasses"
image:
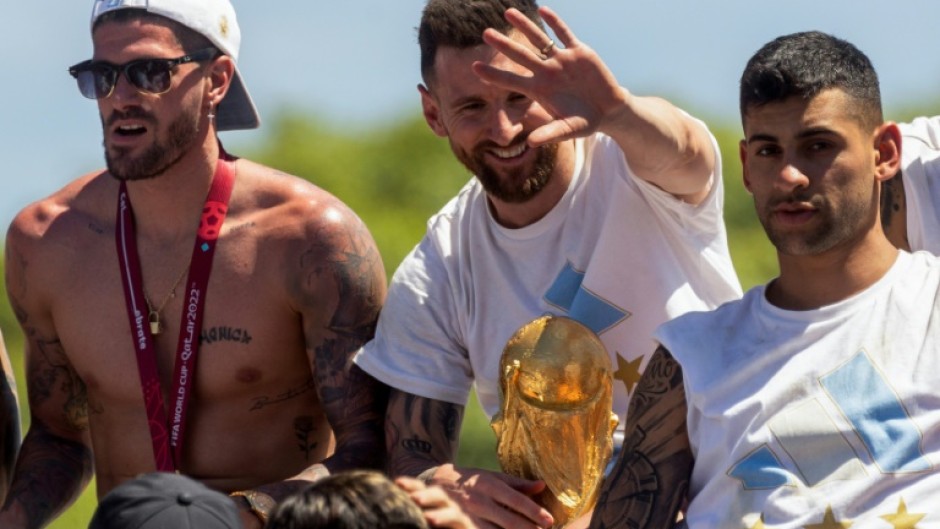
{"points": [[186, 310]]}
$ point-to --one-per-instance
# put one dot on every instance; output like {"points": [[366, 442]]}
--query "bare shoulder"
{"points": [[34, 222], [44, 235], [328, 255], [296, 203]]}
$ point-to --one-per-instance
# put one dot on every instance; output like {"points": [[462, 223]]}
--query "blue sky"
{"points": [[355, 63]]}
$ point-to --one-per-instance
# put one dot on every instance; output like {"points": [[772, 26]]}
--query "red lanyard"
{"points": [[167, 435]]}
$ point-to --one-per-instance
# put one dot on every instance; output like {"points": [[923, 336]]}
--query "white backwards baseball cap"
{"points": [[215, 20]]}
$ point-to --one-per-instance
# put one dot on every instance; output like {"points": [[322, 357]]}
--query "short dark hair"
{"points": [[460, 24], [356, 499], [189, 39], [803, 65]]}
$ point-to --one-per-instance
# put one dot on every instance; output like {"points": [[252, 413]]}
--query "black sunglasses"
{"points": [[96, 79]]}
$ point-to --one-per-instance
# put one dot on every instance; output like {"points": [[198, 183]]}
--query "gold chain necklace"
{"points": [[154, 314]]}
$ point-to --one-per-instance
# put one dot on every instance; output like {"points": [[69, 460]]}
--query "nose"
{"points": [[505, 126], [123, 90], [791, 178]]}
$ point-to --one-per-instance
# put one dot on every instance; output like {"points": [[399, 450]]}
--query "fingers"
{"points": [[528, 487], [493, 499], [530, 51], [538, 38], [505, 501], [529, 29], [561, 30], [409, 484], [439, 509], [515, 49], [558, 130]]}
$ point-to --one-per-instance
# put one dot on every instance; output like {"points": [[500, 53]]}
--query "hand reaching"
{"points": [[570, 81], [490, 499]]}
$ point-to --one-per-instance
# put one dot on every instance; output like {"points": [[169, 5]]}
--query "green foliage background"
{"points": [[395, 176]]}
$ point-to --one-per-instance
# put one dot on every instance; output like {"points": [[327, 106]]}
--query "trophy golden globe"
{"points": [[555, 420]]}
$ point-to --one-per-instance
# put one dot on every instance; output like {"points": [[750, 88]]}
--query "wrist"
{"points": [[258, 503]]}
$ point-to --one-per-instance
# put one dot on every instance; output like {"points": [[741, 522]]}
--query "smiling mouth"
{"points": [[509, 152]]}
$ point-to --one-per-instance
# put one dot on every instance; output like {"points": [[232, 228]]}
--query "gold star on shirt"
{"points": [[759, 524], [902, 519], [628, 372], [829, 522]]}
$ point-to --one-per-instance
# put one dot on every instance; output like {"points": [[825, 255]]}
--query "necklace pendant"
{"points": [[154, 318]]}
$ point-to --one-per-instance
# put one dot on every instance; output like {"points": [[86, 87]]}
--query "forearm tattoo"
{"points": [[649, 483], [355, 408], [50, 472], [420, 433]]}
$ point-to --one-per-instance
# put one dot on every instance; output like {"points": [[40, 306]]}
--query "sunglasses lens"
{"points": [[151, 76], [86, 84], [94, 83]]}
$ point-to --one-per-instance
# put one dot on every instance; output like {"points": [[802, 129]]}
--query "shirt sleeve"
{"points": [[417, 346]]}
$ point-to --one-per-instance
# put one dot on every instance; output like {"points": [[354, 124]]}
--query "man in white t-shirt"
{"points": [[811, 402], [911, 200], [588, 202]]}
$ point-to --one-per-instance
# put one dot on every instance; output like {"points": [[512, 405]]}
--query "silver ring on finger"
{"points": [[547, 49]]}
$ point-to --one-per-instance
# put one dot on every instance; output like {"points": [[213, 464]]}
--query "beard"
{"points": [[513, 186], [833, 226], [158, 156]]}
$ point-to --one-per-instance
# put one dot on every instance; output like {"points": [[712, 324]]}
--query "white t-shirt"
{"points": [[920, 164], [793, 414], [616, 253]]}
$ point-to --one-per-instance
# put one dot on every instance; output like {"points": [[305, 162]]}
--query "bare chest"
{"points": [[250, 341]]}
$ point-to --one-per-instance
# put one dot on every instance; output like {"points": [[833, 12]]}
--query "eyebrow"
{"points": [[808, 133]]}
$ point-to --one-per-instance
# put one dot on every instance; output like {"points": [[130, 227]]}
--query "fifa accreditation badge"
{"points": [[555, 420]]}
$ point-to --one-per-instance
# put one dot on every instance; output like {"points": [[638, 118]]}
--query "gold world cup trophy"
{"points": [[555, 421]]}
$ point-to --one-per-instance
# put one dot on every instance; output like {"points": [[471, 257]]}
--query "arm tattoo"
{"points": [[650, 481], [420, 433], [355, 272], [355, 410], [50, 472], [51, 373], [344, 265]]}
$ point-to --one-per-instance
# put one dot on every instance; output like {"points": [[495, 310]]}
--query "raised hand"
{"points": [[568, 78]]}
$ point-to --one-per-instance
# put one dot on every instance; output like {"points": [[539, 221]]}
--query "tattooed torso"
{"points": [[295, 289]]}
